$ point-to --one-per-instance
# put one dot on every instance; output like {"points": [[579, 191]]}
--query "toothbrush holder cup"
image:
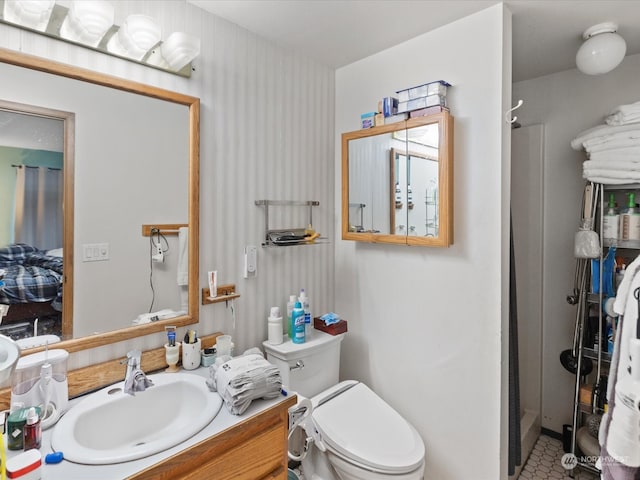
{"points": [[191, 355], [172, 356]]}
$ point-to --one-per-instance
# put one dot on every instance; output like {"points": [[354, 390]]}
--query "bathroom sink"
{"points": [[110, 426]]}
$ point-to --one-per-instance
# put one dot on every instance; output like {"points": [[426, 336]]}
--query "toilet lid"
{"points": [[359, 425]]}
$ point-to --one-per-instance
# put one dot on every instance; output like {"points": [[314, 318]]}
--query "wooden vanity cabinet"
{"points": [[252, 449]]}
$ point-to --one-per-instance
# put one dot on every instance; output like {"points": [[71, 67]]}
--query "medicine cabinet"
{"points": [[397, 182]]}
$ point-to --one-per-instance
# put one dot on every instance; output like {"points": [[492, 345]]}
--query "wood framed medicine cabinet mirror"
{"points": [[131, 162], [397, 182]]}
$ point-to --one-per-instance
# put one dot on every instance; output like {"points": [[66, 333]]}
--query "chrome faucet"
{"points": [[135, 379]]}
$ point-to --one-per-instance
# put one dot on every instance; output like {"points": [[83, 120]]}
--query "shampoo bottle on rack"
{"points": [[611, 220], [630, 221], [298, 323]]}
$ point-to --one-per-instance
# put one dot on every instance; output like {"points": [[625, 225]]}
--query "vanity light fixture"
{"points": [[602, 51], [176, 52], [137, 35], [87, 21], [90, 24], [33, 14]]}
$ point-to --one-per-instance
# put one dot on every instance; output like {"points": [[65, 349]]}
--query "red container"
{"points": [[334, 329]]}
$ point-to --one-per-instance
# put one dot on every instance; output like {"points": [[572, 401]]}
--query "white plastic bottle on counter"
{"points": [[274, 326], [304, 301]]}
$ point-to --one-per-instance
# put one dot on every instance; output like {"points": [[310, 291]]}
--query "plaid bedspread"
{"points": [[30, 276]]}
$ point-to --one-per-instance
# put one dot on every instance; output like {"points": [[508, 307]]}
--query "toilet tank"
{"points": [[319, 365]]}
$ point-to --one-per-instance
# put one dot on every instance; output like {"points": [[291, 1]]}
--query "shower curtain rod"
{"points": [[32, 166]]}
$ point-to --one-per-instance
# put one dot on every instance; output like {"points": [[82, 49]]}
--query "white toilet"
{"points": [[356, 435]]}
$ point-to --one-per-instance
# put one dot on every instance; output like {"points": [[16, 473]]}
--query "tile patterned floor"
{"points": [[544, 463]]}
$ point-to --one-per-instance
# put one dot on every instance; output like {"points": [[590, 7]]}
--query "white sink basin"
{"points": [[109, 426]]}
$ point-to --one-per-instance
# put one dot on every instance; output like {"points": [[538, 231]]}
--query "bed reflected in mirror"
{"points": [[32, 144]]}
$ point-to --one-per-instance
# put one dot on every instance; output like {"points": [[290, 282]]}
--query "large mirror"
{"points": [[125, 245], [397, 182]]}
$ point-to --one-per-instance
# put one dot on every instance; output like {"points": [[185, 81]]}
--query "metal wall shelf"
{"points": [[287, 236]]}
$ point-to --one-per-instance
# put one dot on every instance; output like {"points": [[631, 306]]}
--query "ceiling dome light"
{"points": [[137, 35], [29, 13], [602, 51], [87, 21]]}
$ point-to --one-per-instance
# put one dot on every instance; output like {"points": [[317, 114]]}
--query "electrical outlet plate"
{"points": [[158, 254], [250, 261]]}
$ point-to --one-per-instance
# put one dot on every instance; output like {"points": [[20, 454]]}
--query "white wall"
{"points": [[566, 103], [266, 132], [425, 324]]}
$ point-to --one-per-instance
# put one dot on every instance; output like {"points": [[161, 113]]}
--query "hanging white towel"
{"points": [[618, 436], [183, 256]]}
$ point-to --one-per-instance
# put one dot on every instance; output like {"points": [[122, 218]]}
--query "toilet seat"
{"points": [[360, 427]]}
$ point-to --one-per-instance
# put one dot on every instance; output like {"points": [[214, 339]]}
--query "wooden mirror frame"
{"points": [[445, 182], [193, 103]]}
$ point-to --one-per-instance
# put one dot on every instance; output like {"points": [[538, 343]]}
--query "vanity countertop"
{"points": [[73, 471]]}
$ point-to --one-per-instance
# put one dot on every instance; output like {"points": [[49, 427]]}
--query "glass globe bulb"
{"points": [[601, 53]]}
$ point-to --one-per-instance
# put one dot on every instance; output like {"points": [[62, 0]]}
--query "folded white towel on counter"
{"points": [[600, 131], [616, 165], [243, 379]]}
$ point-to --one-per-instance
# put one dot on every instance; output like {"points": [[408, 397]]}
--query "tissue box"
{"points": [[334, 329]]}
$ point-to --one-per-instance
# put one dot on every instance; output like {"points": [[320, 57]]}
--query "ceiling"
{"points": [[546, 33]]}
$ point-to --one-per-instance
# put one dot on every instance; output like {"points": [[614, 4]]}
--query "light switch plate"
{"points": [[250, 261], [95, 252]]}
